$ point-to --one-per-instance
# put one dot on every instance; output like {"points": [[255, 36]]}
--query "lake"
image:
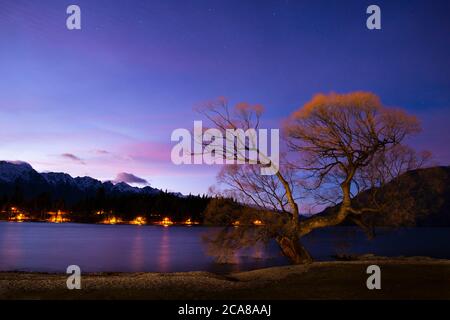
{"points": [[47, 247]]}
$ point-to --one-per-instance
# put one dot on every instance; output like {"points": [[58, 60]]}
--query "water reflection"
{"points": [[259, 251], [11, 244], [163, 254], [138, 251], [47, 247]]}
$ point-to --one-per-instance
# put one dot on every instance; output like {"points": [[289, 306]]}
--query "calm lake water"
{"points": [[47, 247]]}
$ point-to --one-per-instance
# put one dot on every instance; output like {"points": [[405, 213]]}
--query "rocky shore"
{"points": [[402, 278]]}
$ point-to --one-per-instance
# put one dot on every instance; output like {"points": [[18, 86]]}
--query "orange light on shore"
{"points": [[236, 223], [189, 222], [258, 223], [19, 217], [57, 217], [166, 222], [138, 221], [112, 220]]}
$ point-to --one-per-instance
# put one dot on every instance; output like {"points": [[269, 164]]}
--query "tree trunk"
{"points": [[290, 197], [294, 250]]}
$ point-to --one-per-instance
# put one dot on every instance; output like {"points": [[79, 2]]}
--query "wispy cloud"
{"points": [[129, 178], [72, 157], [100, 151]]}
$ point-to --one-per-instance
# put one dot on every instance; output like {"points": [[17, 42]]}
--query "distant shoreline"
{"points": [[319, 280], [181, 224]]}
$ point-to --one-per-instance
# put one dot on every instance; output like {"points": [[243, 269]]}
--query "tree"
{"points": [[272, 196], [334, 141], [342, 137]]}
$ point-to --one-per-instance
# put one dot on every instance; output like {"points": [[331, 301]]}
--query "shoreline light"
{"points": [[165, 222], [57, 217], [138, 221]]}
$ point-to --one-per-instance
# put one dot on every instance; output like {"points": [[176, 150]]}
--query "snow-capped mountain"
{"points": [[87, 183], [56, 178], [15, 174], [124, 187], [10, 171]]}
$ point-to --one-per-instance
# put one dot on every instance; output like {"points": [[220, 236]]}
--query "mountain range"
{"points": [[421, 196], [17, 175]]}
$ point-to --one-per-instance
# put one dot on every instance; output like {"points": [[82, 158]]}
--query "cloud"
{"points": [[72, 157], [100, 151], [129, 178]]}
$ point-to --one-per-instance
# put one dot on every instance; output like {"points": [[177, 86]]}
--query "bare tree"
{"points": [[274, 198], [338, 137], [349, 141]]}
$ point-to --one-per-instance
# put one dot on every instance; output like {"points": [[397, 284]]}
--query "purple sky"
{"points": [[104, 100]]}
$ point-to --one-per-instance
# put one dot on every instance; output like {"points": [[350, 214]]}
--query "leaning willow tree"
{"points": [[336, 147]]}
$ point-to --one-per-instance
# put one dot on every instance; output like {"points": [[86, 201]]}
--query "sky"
{"points": [[103, 101]]}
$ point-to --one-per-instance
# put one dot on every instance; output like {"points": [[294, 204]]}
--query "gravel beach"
{"points": [[401, 279]]}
